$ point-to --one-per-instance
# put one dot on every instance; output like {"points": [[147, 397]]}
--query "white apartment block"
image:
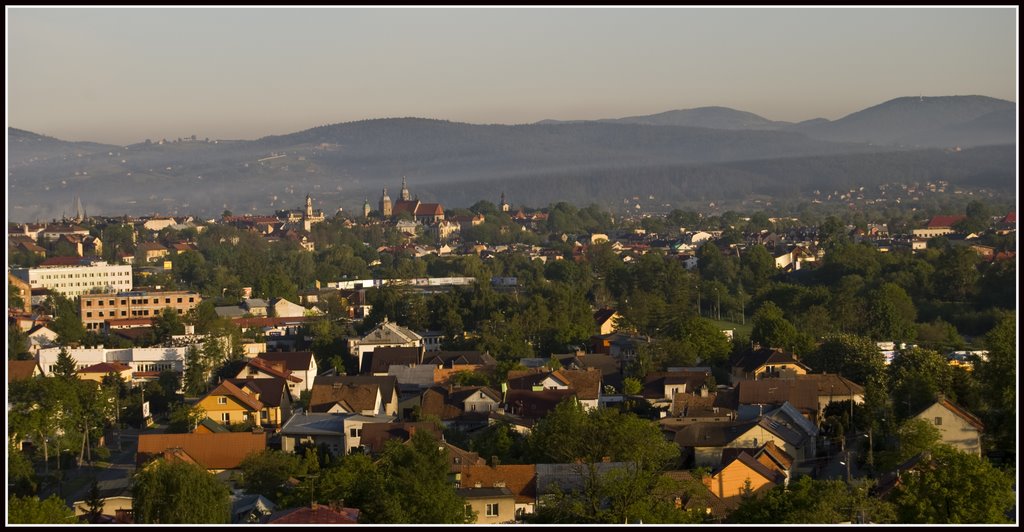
{"points": [[73, 281], [146, 362]]}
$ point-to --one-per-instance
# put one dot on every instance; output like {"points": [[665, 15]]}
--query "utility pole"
{"points": [[847, 466], [871, 451]]}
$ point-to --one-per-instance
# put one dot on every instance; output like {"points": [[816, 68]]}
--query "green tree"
{"points": [[184, 418], [939, 335], [17, 344], [854, 357], [21, 475], [175, 492], [631, 386], [953, 487], [166, 324], [914, 436], [918, 376], [415, 485], [957, 273], [65, 366], [94, 502], [266, 471], [195, 372], [891, 314], [14, 299], [813, 501], [30, 510], [998, 378], [771, 329], [66, 322]]}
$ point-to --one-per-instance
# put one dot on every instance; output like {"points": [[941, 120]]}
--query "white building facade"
{"points": [[73, 281]]}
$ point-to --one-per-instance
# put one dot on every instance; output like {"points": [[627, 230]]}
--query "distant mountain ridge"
{"points": [[707, 117], [922, 121], [340, 164]]}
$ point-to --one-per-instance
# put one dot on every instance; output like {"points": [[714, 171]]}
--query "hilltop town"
{"points": [[501, 364]]}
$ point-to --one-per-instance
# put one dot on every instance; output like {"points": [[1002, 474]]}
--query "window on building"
{"points": [[245, 416], [469, 510], [492, 509], [263, 415], [938, 421], [225, 417], [222, 400], [355, 432], [88, 303]]}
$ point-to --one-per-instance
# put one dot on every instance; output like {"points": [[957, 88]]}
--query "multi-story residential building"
{"points": [[146, 362], [96, 309], [73, 276]]}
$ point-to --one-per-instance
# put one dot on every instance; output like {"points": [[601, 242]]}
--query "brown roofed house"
{"points": [[340, 398], [214, 451], [521, 480], [375, 435], [19, 370]]}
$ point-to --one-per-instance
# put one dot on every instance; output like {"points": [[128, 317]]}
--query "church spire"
{"points": [[405, 190]]}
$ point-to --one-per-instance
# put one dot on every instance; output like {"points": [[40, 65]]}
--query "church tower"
{"points": [[309, 207], [385, 204], [366, 208], [405, 190], [504, 205]]}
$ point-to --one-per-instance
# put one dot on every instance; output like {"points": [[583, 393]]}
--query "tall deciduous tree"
{"points": [[954, 487], [31, 510], [854, 357], [414, 485], [166, 324], [998, 376], [813, 501], [771, 329], [175, 492], [918, 376]]}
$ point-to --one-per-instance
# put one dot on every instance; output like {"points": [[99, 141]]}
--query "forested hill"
{"points": [[786, 179], [458, 163]]}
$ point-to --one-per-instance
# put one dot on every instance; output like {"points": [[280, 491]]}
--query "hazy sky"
{"points": [[123, 75]]}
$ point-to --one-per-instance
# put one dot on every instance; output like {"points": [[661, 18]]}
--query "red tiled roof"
{"points": [[272, 368], [315, 515], [106, 367], [61, 261], [944, 221], [429, 209]]}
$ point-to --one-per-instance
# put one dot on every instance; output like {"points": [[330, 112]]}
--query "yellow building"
{"points": [[743, 472], [264, 402]]}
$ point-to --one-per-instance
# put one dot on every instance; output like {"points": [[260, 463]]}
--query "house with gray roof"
{"points": [[385, 334]]}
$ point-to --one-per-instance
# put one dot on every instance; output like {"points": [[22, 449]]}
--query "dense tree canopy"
{"points": [[176, 492]]}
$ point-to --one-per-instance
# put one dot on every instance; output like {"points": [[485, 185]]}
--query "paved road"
{"points": [[122, 468]]}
